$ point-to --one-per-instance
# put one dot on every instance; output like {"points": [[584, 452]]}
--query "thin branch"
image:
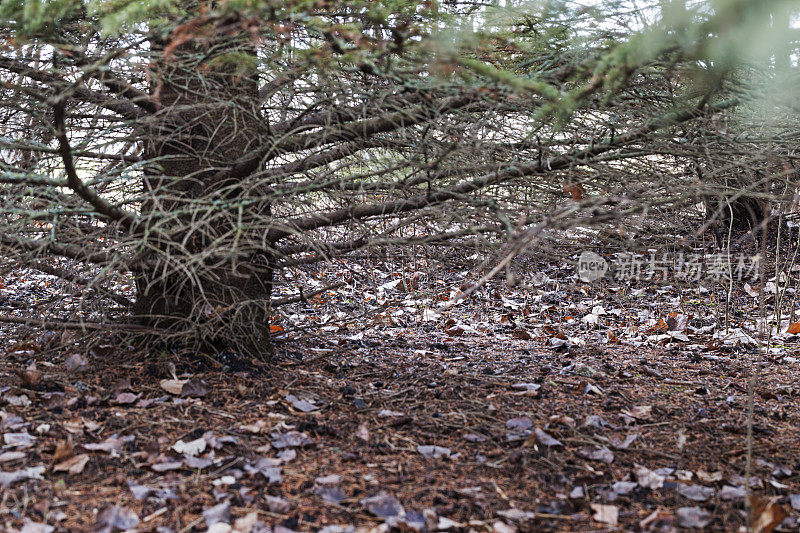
{"points": [[71, 251], [84, 326], [113, 213], [80, 281], [122, 107], [305, 296], [510, 171]]}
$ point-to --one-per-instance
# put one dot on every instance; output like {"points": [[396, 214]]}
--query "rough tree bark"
{"points": [[209, 117]]}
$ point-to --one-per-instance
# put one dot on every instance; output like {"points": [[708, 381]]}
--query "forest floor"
{"points": [[559, 406]]}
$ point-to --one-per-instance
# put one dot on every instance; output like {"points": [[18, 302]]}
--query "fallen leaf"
{"points": [[620, 443], [766, 515], [383, 505], [597, 453], [574, 191], [196, 463], [30, 377], [502, 527], [434, 452], [17, 400], [519, 423], [268, 468], [121, 386], [191, 448], [527, 387], [287, 455], [695, 493], [619, 488], [172, 386], [598, 422], [63, 451], [218, 442], [751, 291], [755, 482], [257, 427], [794, 500], [681, 438], [781, 472], [111, 444], [290, 439], [729, 493], [277, 504], [446, 524], [564, 420], [76, 363], [794, 328], [9, 478], [36, 527], [7, 457], [606, 514], [639, 412], [219, 513], [300, 404], [362, 433], [331, 494], [474, 437], [19, 440], [126, 398], [114, 518], [693, 517], [194, 388], [707, 477], [247, 524], [545, 439], [332, 479], [139, 492], [648, 479], [73, 465], [517, 515]]}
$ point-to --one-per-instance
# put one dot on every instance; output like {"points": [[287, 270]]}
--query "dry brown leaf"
{"points": [[766, 515], [172, 386], [63, 451], [553, 332], [659, 327], [521, 334], [30, 377], [640, 412], [73, 465], [574, 190]]}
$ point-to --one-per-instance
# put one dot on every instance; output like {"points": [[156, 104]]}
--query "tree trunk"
{"points": [[206, 275], [738, 216]]}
